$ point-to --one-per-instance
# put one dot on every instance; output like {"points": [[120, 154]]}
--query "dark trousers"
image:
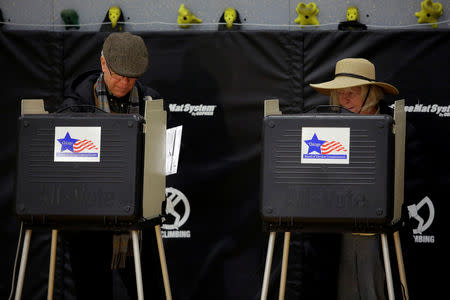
{"points": [[91, 255], [361, 270], [312, 267]]}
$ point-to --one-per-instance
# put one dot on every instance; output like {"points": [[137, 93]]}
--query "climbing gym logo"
{"points": [[177, 213], [419, 212], [325, 145], [439, 110], [77, 144], [193, 110]]}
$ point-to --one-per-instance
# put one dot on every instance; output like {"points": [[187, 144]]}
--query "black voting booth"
{"points": [[94, 171], [330, 170], [75, 174]]}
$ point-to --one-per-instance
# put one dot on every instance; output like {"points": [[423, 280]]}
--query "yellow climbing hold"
{"points": [[114, 15], [307, 14], [352, 14], [186, 17], [429, 13], [230, 16]]}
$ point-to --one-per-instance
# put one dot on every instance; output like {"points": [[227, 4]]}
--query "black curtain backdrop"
{"points": [[223, 255]]}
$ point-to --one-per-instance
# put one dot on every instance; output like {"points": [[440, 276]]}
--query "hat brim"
{"points": [[343, 82]]}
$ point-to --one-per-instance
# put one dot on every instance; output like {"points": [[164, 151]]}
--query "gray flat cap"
{"points": [[126, 54]]}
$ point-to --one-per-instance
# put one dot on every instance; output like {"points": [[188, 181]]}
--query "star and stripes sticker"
{"points": [[77, 144], [325, 145], [74, 145]]}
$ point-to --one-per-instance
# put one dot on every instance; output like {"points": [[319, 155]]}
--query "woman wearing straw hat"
{"points": [[361, 271], [354, 87]]}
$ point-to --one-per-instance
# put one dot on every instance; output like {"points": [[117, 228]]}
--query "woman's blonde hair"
{"points": [[375, 95]]}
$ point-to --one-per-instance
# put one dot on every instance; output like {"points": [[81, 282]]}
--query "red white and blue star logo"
{"points": [[77, 144], [74, 145], [314, 144], [325, 145], [67, 143]]}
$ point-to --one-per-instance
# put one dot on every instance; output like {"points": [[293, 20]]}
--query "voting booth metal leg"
{"points": [[284, 265], [137, 264], [401, 265], [162, 259], [23, 264], [387, 266], [51, 273], [265, 287]]}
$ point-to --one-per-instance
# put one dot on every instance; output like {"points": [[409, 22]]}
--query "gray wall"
{"points": [[255, 14]]}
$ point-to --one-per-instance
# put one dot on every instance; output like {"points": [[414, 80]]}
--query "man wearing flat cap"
{"points": [[124, 58], [114, 89]]}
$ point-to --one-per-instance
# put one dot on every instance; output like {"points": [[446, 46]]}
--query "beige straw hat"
{"points": [[352, 72]]}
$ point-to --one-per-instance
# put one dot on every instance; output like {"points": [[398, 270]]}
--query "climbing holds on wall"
{"points": [[307, 14], [352, 14], [186, 17], [429, 12], [230, 17], [70, 18], [114, 20], [352, 22], [114, 14]]}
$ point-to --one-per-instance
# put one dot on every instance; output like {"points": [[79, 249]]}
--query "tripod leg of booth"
{"points": [[265, 287], [287, 238], [23, 264], [137, 264], [401, 266], [162, 259], [51, 275], [387, 267]]}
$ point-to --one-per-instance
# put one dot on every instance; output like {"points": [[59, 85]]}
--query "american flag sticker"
{"points": [[325, 145], [77, 144]]}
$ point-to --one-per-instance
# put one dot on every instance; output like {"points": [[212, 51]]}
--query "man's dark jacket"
{"points": [[81, 92]]}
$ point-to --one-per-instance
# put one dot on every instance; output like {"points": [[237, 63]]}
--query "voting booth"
{"points": [[91, 170], [83, 166], [330, 170], [311, 182]]}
